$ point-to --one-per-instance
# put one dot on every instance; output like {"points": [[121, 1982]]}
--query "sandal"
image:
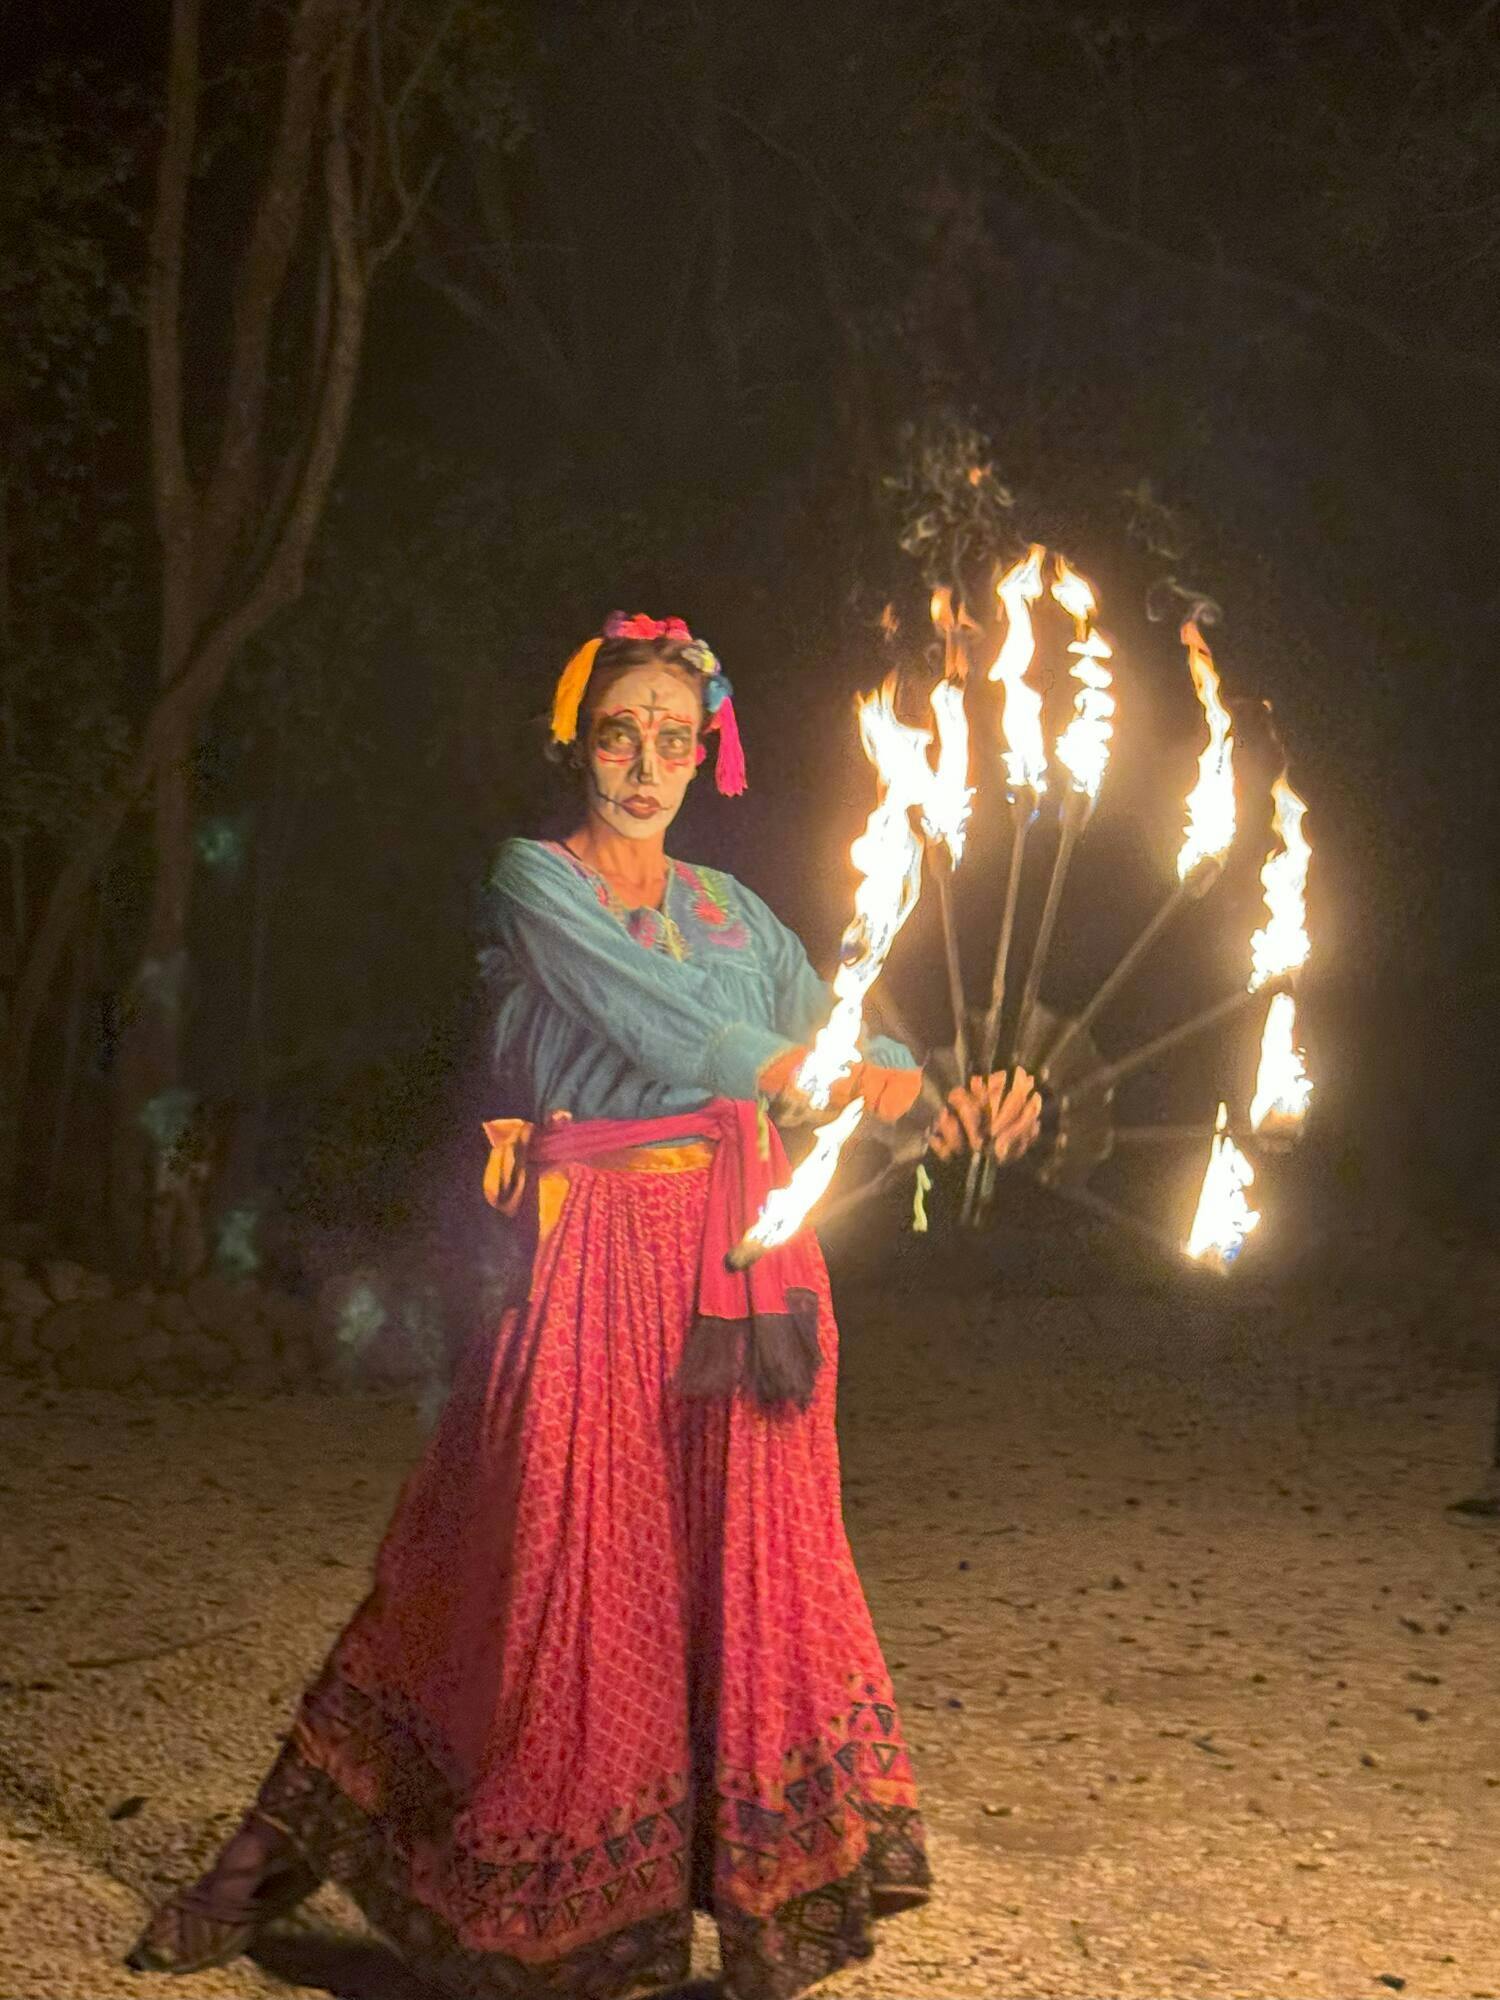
{"points": [[216, 1919]]}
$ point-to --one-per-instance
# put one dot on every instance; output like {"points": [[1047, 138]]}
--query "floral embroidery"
{"points": [[656, 930], [712, 906]]}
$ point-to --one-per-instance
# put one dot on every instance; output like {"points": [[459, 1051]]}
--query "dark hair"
{"points": [[617, 657]]}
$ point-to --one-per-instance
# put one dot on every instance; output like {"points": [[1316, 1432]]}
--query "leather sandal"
{"points": [[188, 1934]]}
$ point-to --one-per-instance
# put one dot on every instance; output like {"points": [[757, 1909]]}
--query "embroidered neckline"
{"points": [[656, 929], [646, 919]]}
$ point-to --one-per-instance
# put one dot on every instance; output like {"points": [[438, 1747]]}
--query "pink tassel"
{"points": [[729, 765]]}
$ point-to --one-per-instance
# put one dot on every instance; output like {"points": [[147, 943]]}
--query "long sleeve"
{"points": [[803, 1000], [663, 1015]]}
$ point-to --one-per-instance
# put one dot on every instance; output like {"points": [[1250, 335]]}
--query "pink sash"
{"points": [[755, 1330]]}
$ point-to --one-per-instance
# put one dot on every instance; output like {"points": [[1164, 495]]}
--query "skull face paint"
{"points": [[642, 752]]}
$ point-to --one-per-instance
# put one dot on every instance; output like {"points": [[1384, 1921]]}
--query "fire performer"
{"points": [[617, 1663]]}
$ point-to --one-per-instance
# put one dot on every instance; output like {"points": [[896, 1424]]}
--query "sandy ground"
{"points": [[1203, 1683]]}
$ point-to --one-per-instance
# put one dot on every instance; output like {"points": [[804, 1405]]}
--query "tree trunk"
{"points": [[149, 1100], [234, 549], [12, 1088]]}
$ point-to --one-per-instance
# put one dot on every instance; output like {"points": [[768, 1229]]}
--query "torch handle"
{"points": [[944, 871], [1223, 1010], [1109, 1211], [1189, 890], [1024, 806], [1075, 811]]}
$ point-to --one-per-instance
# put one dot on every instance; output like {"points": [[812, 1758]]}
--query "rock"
{"points": [[63, 1328], [259, 1378], [130, 1320], [170, 1378], [21, 1297], [293, 1325], [18, 1347], [67, 1282], [219, 1306], [20, 1240], [153, 1347], [253, 1340], [99, 1362], [173, 1312], [210, 1358]]}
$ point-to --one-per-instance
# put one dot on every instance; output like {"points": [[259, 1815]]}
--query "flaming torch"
{"points": [[945, 811], [1207, 837], [1084, 745], [1282, 1085], [888, 855], [1083, 751], [1209, 832], [1024, 754], [1224, 1217]]}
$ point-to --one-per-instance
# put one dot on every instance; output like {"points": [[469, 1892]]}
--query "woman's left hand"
{"points": [[999, 1114]]}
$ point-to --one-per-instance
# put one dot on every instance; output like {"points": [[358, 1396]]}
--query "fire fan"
{"points": [[918, 827]]}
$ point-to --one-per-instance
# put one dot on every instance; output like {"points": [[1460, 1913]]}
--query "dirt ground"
{"points": [[1203, 1682]]}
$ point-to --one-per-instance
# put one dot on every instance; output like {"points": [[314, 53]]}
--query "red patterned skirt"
{"points": [[616, 1662]]}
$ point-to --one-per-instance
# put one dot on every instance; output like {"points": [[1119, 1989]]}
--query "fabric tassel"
{"points": [[783, 1358], [729, 765], [774, 1357], [568, 698]]}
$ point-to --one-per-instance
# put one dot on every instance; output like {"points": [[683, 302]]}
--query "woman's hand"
{"points": [[888, 1093], [997, 1114]]}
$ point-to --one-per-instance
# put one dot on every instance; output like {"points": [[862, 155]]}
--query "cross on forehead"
{"points": [[656, 703]]}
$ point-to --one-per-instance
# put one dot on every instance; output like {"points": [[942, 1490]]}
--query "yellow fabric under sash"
{"points": [[505, 1173]]}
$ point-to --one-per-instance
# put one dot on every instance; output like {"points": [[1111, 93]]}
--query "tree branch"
{"points": [[171, 480], [217, 645], [1316, 304], [258, 288], [815, 181]]}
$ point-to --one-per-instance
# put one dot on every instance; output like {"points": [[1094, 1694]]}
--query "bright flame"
{"points": [[1283, 945], [945, 812], [1025, 750], [1209, 832], [786, 1207], [888, 855], [1224, 1218], [1084, 745], [1282, 1084]]}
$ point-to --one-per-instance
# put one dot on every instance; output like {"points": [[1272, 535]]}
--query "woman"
{"points": [[616, 1662]]}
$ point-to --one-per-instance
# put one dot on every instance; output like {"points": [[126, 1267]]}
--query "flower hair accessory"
{"points": [[717, 692]]}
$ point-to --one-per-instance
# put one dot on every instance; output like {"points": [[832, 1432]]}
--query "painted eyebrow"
{"points": [[633, 716]]}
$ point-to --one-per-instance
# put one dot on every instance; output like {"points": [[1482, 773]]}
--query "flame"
{"points": [[1025, 750], [1209, 831], [1283, 1087], [1084, 745], [888, 855], [786, 1207], [945, 811], [1224, 1218], [1282, 946]]}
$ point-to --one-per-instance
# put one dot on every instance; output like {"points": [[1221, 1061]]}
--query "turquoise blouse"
{"points": [[606, 1012]]}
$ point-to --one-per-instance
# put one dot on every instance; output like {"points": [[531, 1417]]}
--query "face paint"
{"points": [[642, 752]]}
